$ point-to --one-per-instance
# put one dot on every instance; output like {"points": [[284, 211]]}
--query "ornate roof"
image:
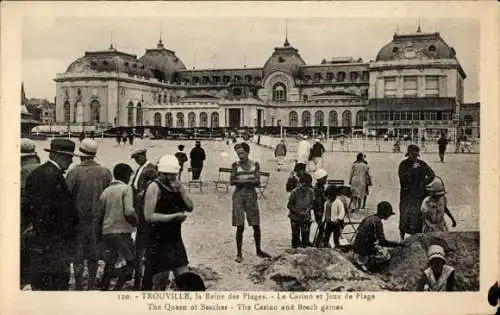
{"points": [[110, 60], [286, 59], [163, 60], [417, 45]]}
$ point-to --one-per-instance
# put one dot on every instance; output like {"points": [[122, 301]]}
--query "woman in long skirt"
{"points": [[359, 180]]}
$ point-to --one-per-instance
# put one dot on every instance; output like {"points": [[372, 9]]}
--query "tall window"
{"points": [[360, 118], [293, 119], [409, 86], [279, 92], [306, 119], [341, 76], [333, 119], [165, 98], [191, 120], [434, 115], [138, 117], [169, 120], [214, 120], [354, 76], [346, 119], [467, 120], [157, 120], [130, 114], [180, 120], [319, 119], [396, 116], [203, 120], [67, 112], [95, 111], [427, 116], [415, 115], [431, 85], [390, 87], [159, 98]]}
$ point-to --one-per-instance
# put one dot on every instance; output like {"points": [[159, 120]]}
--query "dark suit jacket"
{"points": [[54, 216]]}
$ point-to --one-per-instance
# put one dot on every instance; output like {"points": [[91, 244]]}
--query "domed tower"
{"points": [[416, 86], [163, 62], [286, 59]]}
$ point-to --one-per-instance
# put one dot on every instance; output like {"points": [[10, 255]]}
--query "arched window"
{"points": [[157, 120], [138, 117], [333, 119], [95, 111], [203, 120], [169, 121], [130, 113], [346, 119], [360, 118], [191, 120], [319, 119], [180, 120], [75, 111], [306, 119], [214, 120], [279, 92], [467, 120], [67, 112], [293, 119]]}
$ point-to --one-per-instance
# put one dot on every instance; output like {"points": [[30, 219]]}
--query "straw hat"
{"points": [[28, 147], [168, 164], [88, 147], [137, 153]]}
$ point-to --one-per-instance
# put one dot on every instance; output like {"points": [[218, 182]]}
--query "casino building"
{"points": [[414, 86]]}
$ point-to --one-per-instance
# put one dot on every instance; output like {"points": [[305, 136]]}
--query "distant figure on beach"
{"points": [[280, 153], [442, 143], [197, 157]]}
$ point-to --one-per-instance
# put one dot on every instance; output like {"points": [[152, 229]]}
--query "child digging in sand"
{"points": [[439, 276]]}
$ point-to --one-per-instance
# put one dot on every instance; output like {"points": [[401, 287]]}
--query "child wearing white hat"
{"points": [[438, 277], [434, 207]]}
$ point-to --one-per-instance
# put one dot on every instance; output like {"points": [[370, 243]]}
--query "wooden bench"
{"points": [[223, 180], [197, 183]]}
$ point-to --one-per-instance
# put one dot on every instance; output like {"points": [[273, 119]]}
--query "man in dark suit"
{"points": [[144, 175], [54, 219]]}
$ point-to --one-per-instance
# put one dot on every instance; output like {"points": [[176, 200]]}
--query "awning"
{"points": [[437, 104]]}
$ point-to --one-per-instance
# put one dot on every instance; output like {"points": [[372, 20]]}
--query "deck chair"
{"points": [[222, 180], [195, 183], [349, 222]]}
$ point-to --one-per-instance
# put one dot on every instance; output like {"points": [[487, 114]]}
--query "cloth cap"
{"points": [[88, 147], [384, 208], [62, 146], [412, 148], [436, 251], [168, 164], [320, 173], [436, 187], [28, 147], [138, 152]]}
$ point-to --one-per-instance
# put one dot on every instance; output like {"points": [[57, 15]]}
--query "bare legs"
{"points": [[257, 239]]}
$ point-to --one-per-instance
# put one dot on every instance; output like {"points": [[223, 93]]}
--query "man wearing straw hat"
{"points": [[54, 218], [29, 162], [86, 182]]}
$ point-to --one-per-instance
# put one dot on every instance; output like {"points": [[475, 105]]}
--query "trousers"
{"points": [[300, 233]]}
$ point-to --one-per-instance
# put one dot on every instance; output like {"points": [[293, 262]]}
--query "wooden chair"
{"points": [[194, 183], [264, 179], [222, 180], [348, 221]]}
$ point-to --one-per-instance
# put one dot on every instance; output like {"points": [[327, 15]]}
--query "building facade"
{"points": [[415, 83]]}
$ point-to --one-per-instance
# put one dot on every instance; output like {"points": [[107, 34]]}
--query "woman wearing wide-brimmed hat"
{"points": [[414, 176]]}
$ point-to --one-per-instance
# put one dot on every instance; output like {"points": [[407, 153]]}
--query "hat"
{"points": [[320, 173], [384, 208], [168, 164], [242, 145], [436, 251], [137, 153], [317, 140], [88, 147], [436, 187], [189, 281], [304, 137], [28, 147], [412, 148], [62, 146]]}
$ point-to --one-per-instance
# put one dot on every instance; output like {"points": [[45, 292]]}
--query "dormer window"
{"points": [[432, 48], [281, 59], [305, 98], [93, 63], [317, 77], [134, 65], [341, 76], [126, 64], [105, 63], [395, 50], [279, 92]]}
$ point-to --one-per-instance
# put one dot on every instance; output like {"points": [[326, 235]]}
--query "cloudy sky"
{"points": [[50, 44]]}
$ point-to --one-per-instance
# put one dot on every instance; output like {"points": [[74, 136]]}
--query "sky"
{"points": [[50, 44]]}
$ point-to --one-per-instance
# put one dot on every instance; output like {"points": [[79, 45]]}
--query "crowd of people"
{"points": [[91, 213]]}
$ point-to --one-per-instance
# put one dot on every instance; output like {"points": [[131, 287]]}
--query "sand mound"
{"points": [[311, 269], [407, 263]]}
